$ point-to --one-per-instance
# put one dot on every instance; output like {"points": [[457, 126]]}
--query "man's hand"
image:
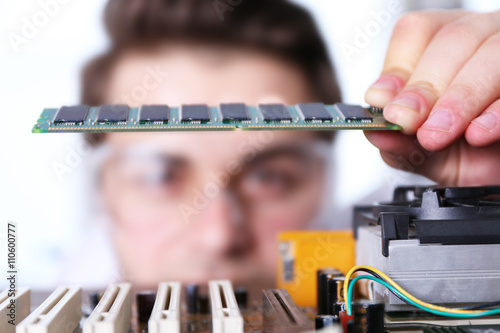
{"points": [[441, 83]]}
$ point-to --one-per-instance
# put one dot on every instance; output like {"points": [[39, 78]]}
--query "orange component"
{"points": [[302, 253]]}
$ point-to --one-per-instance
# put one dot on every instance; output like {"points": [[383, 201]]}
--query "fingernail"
{"points": [[439, 120], [407, 101], [487, 121], [385, 83]]}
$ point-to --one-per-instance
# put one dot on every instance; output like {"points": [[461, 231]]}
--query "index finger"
{"points": [[412, 34]]}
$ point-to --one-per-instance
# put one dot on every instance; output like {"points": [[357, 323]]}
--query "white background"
{"points": [[45, 73]]}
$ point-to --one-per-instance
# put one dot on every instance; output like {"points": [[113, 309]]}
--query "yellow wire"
{"points": [[404, 292]]}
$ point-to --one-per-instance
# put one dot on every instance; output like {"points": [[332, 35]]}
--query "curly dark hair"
{"points": [[278, 27]]}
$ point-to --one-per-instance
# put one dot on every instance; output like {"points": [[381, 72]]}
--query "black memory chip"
{"points": [[154, 113], [272, 112], [72, 114], [234, 112], [314, 111], [353, 112], [195, 113], [113, 113]]}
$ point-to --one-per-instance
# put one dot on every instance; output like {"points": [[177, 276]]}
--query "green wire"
{"points": [[394, 290]]}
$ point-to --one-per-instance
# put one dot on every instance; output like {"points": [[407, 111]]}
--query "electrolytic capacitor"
{"points": [[94, 298], [368, 316], [335, 299], [241, 295], [145, 301], [323, 275], [192, 298], [203, 304]]}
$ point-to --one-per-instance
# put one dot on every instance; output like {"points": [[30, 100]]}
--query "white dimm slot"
{"points": [[14, 307], [226, 316], [166, 314], [113, 313], [61, 312]]}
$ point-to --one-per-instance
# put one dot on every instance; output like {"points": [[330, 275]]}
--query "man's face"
{"points": [[194, 206]]}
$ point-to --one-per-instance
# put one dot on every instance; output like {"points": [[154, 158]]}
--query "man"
{"points": [[194, 206]]}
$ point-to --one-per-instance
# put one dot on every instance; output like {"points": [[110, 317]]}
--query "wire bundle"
{"points": [[386, 281]]}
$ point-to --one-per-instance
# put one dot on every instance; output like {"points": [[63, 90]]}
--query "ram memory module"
{"points": [[121, 118]]}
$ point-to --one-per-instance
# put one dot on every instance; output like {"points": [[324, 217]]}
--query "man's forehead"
{"points": [[181, 75]]}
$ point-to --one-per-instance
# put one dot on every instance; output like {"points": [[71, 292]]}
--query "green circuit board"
{"points": [[121, 118]]}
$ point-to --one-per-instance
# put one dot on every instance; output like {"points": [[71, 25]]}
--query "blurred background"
{"points": [[53, 211]]}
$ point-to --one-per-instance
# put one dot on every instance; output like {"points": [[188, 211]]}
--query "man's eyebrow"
{"points": [[279, 151], [166, 157], [174, 159]]}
